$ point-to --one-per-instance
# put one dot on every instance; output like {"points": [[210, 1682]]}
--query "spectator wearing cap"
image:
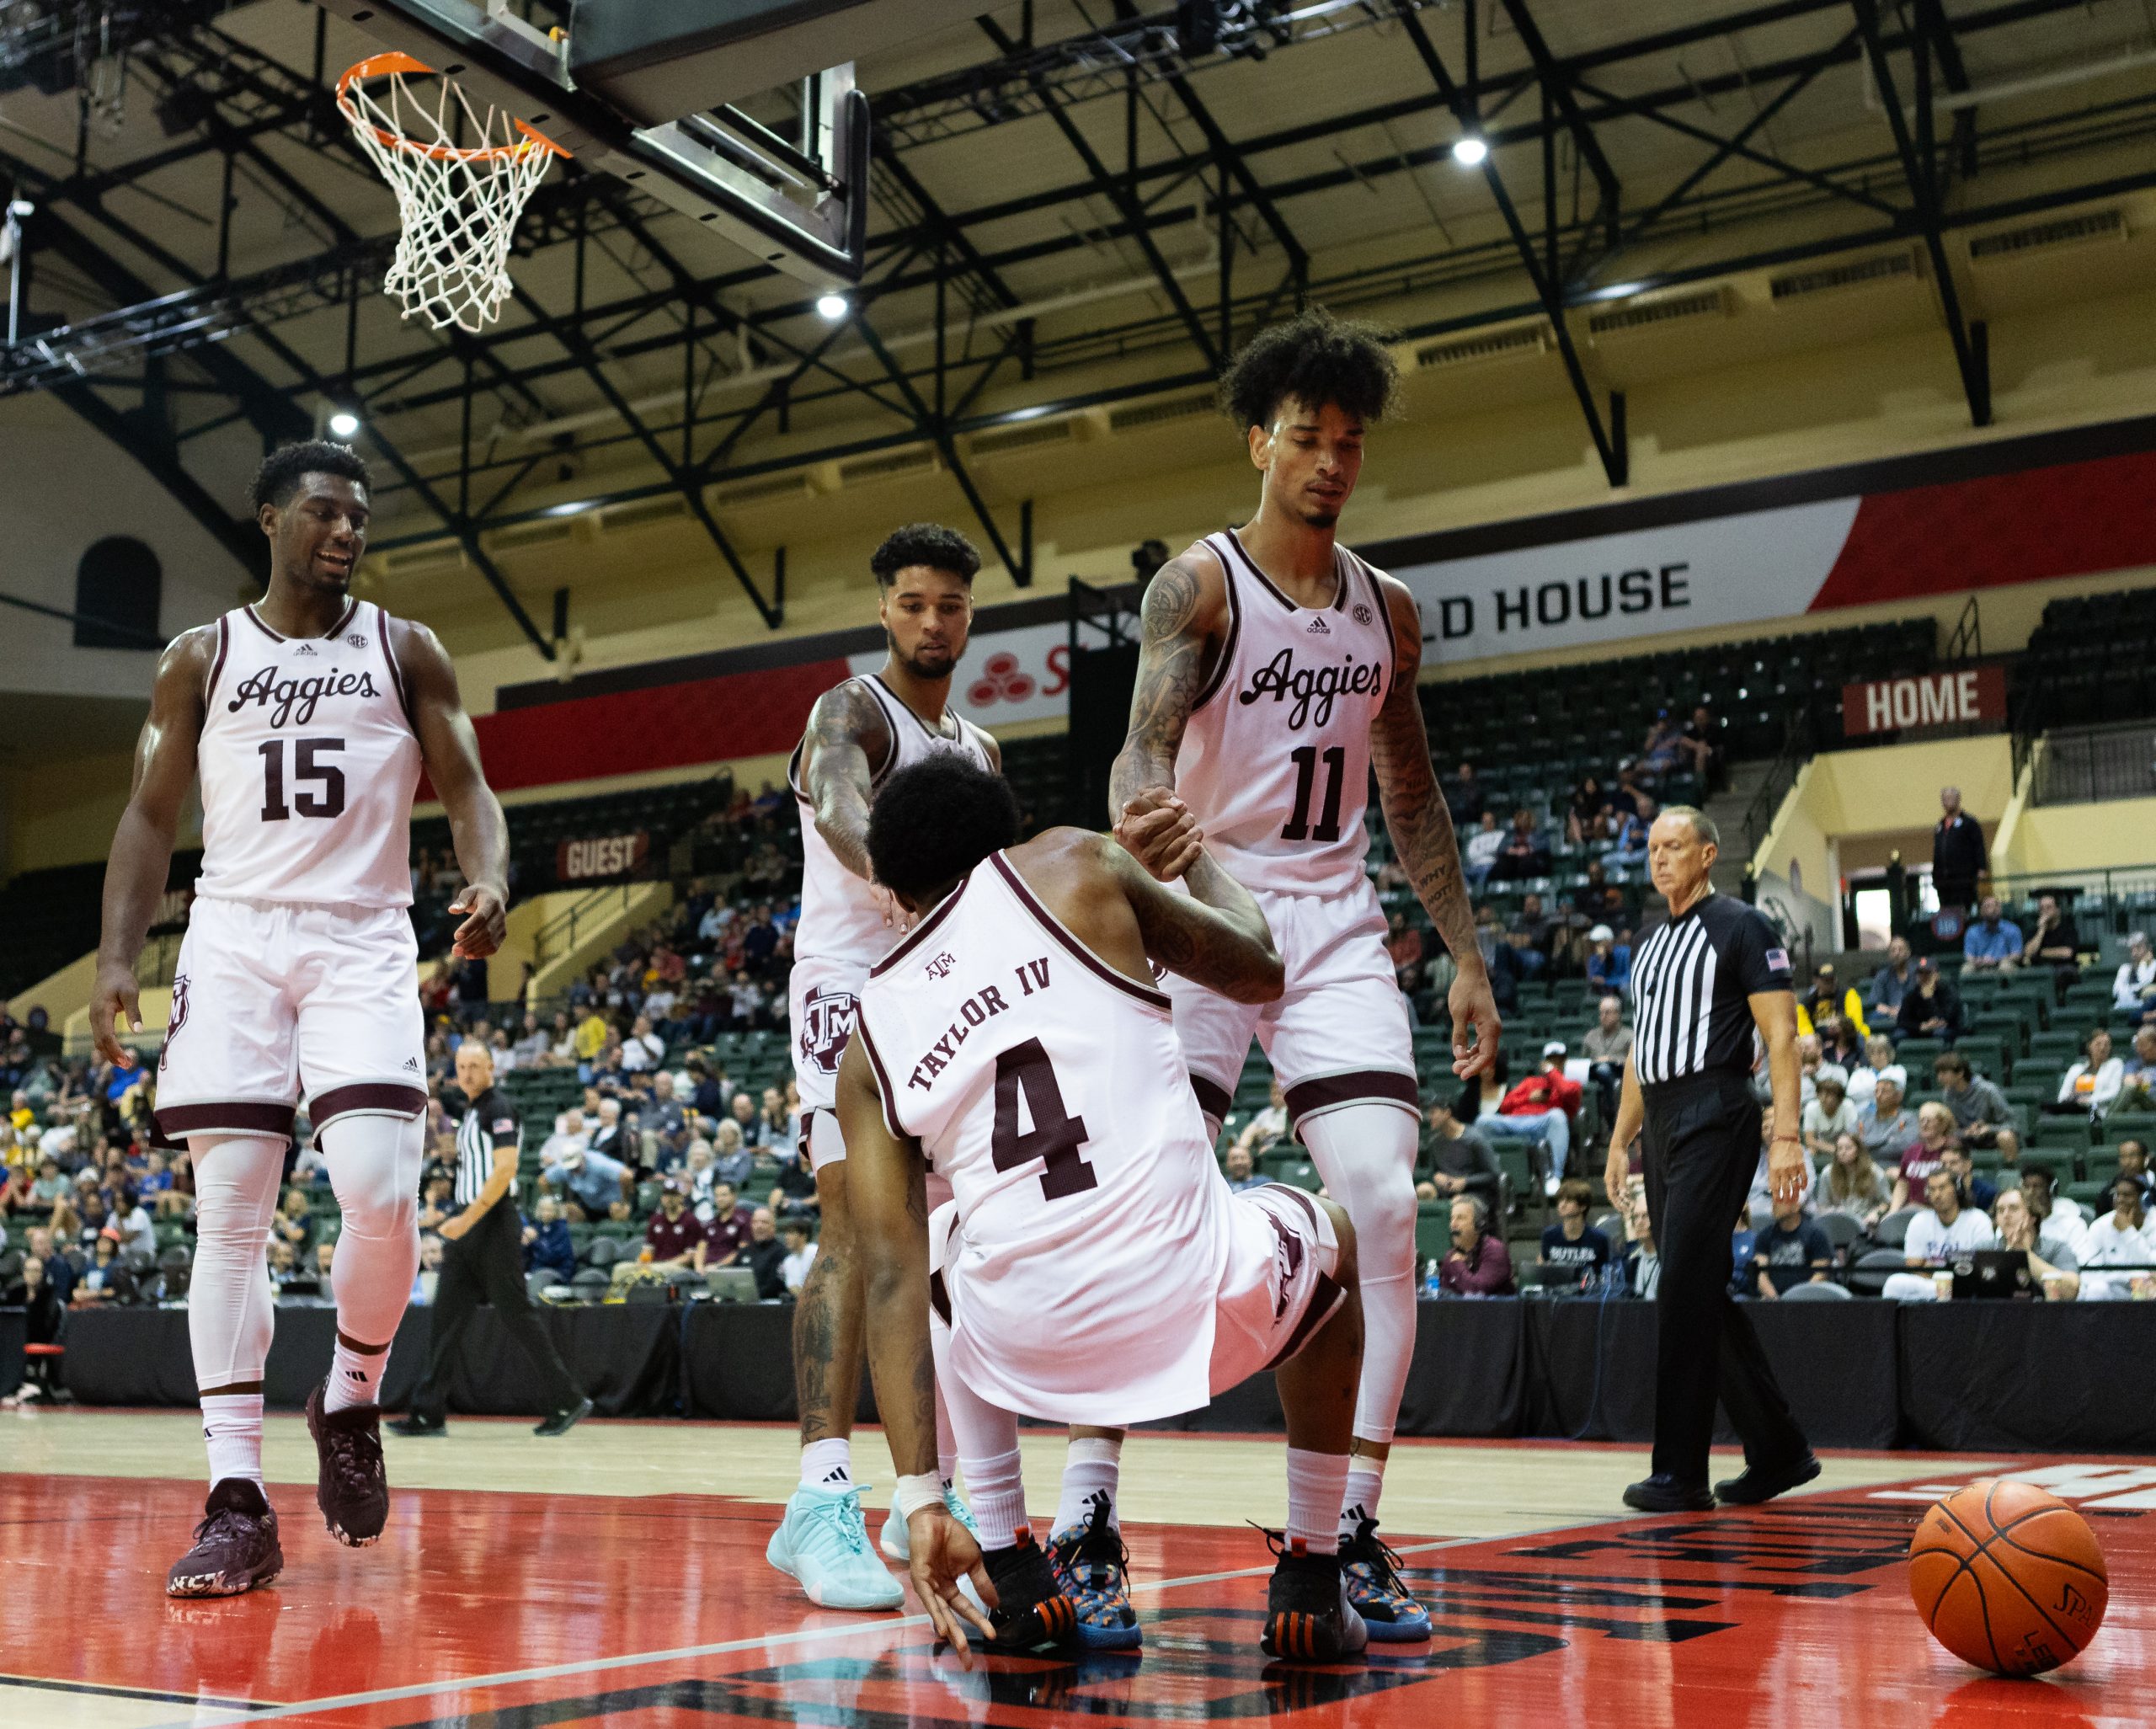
{"points": [[1825, 999], [1930, 1009], [1980, 1109], [2054, 944], [1609, 961], [1885, 1127], [674, 1237], [1539, 1110], [1993, 943], [1891, 983], [1958, 855], [2133, 989], [1474, 1264], [1830, 1113], [1607, 1045]]}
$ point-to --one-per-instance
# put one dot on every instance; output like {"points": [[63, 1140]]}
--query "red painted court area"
{"points": [[516, 1609]]}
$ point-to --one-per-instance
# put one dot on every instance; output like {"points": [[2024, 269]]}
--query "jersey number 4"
{"points": [[327, 803], [1304, 757], [1055, 1136]]}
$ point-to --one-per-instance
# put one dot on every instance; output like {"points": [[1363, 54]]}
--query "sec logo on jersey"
{"points": [[826, 1024]]}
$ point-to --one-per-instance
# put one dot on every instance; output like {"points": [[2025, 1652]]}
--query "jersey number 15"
{"points": [[329, 802]]}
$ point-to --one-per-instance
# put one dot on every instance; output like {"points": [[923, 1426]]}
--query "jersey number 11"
{"points": [[1304, 757]]}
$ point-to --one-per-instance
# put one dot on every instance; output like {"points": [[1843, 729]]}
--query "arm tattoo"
{"points": [[845, 733], [1171, 668], [1215, 935], [1414, 814]]}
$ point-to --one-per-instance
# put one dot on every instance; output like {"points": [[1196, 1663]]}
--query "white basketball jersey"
{"points": [[308, 762], [1275, 762], [839, 921], [1049, 1091]]}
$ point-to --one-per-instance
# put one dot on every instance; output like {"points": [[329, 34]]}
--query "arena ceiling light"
{"points": [[832, 308], [1470, 150], [344, 423]]}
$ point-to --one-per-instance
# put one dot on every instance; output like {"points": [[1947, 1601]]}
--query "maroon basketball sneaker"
{"points": [[235, 1545], [353, 1488]]}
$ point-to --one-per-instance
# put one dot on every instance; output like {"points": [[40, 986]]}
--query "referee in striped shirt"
{"points": [[482, 1259], [1708, 985]]}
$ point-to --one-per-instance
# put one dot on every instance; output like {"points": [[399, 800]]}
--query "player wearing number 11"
{"points": [[309, 715]]}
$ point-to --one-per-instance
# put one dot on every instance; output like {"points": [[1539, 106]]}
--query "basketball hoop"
{"points": [[461, 180]]}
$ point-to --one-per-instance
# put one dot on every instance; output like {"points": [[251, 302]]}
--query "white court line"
{"points": [[594, 1665]]}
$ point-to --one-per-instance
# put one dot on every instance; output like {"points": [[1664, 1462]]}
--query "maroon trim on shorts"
{"points": [[238, 1116], [1212, 1098], [366, 1095], [216, 666], [1218, 675], [907, 943], [1056, 928], [1363, 1084], [1326, 1296]]}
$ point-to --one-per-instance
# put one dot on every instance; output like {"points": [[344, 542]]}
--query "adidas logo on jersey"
{"points": [[412, 1063], [307, 647], [1318, 628]]}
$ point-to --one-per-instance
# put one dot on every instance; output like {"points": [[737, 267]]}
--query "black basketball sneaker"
{"points": [[352, 1488], [1032, 1614], [1308, 1618], [235, 1545]]}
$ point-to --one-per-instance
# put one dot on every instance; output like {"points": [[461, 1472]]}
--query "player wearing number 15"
{"points": [[309, 715]]}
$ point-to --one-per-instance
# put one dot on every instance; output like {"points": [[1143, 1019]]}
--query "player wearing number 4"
{"points": [[309, 715], [1276, 673]]}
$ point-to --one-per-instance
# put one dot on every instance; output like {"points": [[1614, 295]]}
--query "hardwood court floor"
{"points": [[617, 1576]]}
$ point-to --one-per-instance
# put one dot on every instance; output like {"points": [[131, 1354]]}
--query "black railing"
{"points": [[2088, 766]]}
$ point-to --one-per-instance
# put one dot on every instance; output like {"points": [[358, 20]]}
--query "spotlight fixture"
{"points": [[344, 423], [1470, 151], [832, 308]]}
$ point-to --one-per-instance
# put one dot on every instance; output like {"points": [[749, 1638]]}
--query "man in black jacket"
{"points": [[1958, 852]]}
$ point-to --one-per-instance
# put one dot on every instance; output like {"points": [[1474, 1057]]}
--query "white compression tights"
{"points": [[1366, 1155], [230, 1311], [374, 1166]]}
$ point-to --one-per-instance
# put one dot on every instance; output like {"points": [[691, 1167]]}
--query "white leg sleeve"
{"points": [[988, 1446], [1366, 1155], [230, 1312], [374, 1165]]}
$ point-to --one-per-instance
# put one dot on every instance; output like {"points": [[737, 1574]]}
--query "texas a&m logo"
{"points": [[826, 1024], [178, 1018]]}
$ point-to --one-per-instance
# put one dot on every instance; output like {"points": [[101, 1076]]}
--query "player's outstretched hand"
{"points": [[896, 913], [481, 934], [114, 997], [1157, 829], [944, 1553], [1473, 1009]]}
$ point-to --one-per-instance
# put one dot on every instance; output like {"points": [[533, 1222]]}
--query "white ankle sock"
{"points": [[998, 1493], [232, 1424], [1315, 1484], [1093, 1466], [828, 1464], [355, 1376], [1365, 1483]]}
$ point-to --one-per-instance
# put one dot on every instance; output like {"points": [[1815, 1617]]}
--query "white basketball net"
{"points": [[461, 179]]}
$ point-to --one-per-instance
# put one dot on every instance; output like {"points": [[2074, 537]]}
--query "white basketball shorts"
{"points": [[1277, 1287], [822, 998], [1338, 1036], [274, 1002]]}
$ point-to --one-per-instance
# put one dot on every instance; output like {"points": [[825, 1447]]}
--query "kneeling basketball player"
{"points": [[1091, 1268]]}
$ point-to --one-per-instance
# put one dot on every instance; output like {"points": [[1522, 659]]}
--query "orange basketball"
{"points": [[2008, 1577]]}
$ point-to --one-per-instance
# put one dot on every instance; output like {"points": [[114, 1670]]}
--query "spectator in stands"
{"points": [[1479, 856], [731, 1161], [1572, 1251], [709, 1094], [1931, 1009], [2054, 1266], [2054, 944], [547, 1244], [591, 1181], [800, 1255], [1628, 845], [780, 1121], [2088, 1088], [726, 1232], [1936, 1236], [1404, 944], [1457, 1160], [794, 1190], [294, 1221], [1980, 1109], [107, 1280], [1975, 1191], [1529, 936], [1826, 998], [1958, 856], [1703, 739], [1935, 1139], [2061, 1224], [1599, 898], [1606, 1046], [2133, 989], [1884, 1127], [1524, 854], [672, 1237], [1238, 1171], [1539, 1110], [1864, 1075], [1588, 817], [2133, 1162], [748, 999], [1829, 1114], [1464, 798], [1267, 1126], [1791, 1252], [2137, 1073], [533, 1043], [43, 1312], [2120, 1238], [743, 1109], [1609, 961], [1993, 943], [1642, 1258], [1474, 1263], [612, 1139], [1850, 1182], [1891, 983], [766, 1255], [591, 1035], [50, 1184], [1663, 754], [434, 1199], [59, 1271]]}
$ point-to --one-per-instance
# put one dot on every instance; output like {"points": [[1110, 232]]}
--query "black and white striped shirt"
{"points": [[1692, 977], [489, 1122]]}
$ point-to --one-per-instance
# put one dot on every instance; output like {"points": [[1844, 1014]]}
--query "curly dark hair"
{"points": [[928, 543], [934, 820], [1317, 359], [282, 471]]}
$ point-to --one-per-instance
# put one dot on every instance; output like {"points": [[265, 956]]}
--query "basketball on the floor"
{"points": [[2008, 1577]]}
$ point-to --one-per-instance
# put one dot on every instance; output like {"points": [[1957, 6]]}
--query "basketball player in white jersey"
{"points": [[309, 716], [859, 734], [1276, 672], [1091, 1268]]}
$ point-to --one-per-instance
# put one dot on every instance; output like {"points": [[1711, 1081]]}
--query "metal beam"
{"points": [[1559, 91], [242, 539]]}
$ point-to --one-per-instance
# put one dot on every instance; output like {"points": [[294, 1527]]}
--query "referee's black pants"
{"points": [[486, 1265], [1702, 1147]]}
